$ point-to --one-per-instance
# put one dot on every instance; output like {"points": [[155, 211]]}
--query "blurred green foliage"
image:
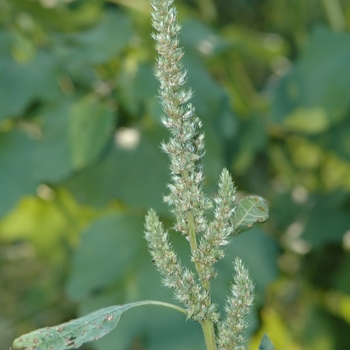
{"points": [[80, 162]]}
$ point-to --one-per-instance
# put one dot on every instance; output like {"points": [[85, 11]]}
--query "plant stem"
{"points": [[163, 303], [209, 335], [207, 325]]}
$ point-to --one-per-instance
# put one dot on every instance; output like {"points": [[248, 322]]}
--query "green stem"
{"points": [[192, 233], [161, 303], [193, 244], [209, 335], [207, 325]]}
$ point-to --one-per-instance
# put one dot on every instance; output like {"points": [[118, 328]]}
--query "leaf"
{"points": [[250, 210], [95, 46], [315, 95], [75, 132], [73, 334], [252, 139], [23, 83], [137, 88], [196, 34], [266, 343], [328, 219], [340, 278], [16, 175], [90, 128], [339, 139], [117, 177], [108, 247]]}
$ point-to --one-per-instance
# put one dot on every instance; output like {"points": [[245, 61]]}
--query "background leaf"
{"points": [[109, 245], [17, 174], [75, 132], [266, 343], [314, 95], [22, 83]]}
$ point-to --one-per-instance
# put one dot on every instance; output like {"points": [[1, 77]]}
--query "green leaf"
{"points": [[108, 249], [117, 178], [95, 45], [22, 83], [196, 34], [73, 334], [137, 88], [250, 210], [75, 131], [16, 175], [328, 219], [340, 278], [339, 139], [315, 95], [90, 128], [252, 139], [266, 343]]}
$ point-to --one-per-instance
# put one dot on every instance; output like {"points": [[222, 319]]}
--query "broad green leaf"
{"points": [[23, 83], [198, 35], [73, 334], [74, 133], [16, 174], [326, 218], [96, 45], [134, 173], [137, 88], [340, 278], [283, 210], [315, 94], [252, 139], [90, 128], [266, 343], [249, 210], [108, 249], [339, 139]]}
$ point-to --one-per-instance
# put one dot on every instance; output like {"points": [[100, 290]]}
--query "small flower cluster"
{"points": [[188, 202], [175, 276], [231, 331]]}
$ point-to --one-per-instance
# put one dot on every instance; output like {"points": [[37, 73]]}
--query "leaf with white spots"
{"points": [[250, 210], [73, 334]]}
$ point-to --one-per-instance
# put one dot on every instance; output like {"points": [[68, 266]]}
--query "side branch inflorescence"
{"points": [[231, 331]]}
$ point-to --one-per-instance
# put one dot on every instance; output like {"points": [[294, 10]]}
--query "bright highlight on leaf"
{"points": [[73, 334], [250, 210]]}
